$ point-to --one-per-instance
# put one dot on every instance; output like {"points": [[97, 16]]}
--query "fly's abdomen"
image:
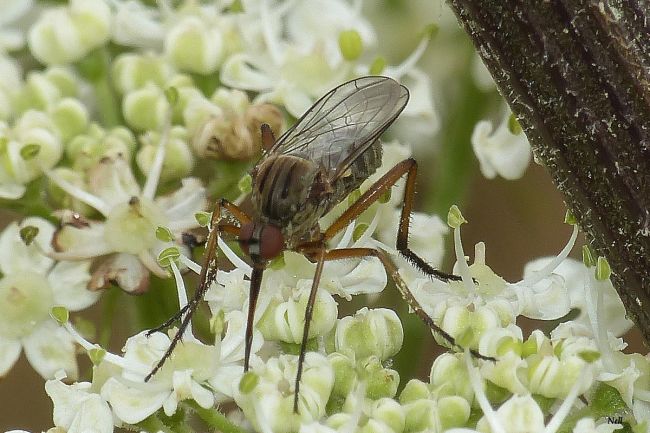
{"points": [[362, 168]]}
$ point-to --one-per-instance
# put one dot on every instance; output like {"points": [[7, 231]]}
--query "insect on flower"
{"points": [[311, 168]]}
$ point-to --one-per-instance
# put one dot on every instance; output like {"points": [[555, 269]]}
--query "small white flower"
{"points": [[67, 33], [11, 80], [500, 151], [132, 217], [310, 31], [30, 286], [195, 45], [137, 25], [184, 376], [77, 409], [375, 332], [574, 275], [269, 404], [518, 414], [32, 145]]}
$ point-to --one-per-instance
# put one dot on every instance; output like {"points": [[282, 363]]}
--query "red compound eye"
{"points": [[271, 242], [261, 241], [245, 235]]}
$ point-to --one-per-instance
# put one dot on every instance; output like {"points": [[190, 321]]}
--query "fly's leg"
{"points": [[408, 167], [206, 278], [309, 311], [391, 269], [256, 283]]}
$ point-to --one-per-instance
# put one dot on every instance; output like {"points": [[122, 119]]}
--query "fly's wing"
{"points": [[344, 123]]}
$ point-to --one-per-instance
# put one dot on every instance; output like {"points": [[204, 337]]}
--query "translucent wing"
{"points": [[344, 123]]}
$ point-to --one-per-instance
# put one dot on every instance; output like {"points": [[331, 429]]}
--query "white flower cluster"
{"points": [[111, 137]]}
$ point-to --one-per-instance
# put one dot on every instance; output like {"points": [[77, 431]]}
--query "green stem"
{"points": [[215, 419], [154, 424], [107, 104], [95, 68], [109, 305]]}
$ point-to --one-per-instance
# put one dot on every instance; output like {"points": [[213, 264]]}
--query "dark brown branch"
{"points": [[577, 76]]}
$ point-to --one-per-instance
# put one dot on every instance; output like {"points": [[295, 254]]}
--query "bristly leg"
{"points": [[309, 311], [207, 277], [380, 187]]}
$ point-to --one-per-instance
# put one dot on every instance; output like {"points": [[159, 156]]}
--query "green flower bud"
{"points": [[285, 320], [380, 382], [345, 380], [40, 92], [88, 149], [178, 156], [449, 377], [421, 415], [414, 390], [375, 332], [192, 45], [67, 33], [453, 411], [554, 378], [34, 129], [70, 117], [134, 71], [145, 108], [350, 44], [390, 413]]}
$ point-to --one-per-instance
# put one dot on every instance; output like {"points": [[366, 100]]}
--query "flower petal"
{"points": [[182, 204], [81, 241], [112, 180], [242, 71], [69, 281], [51, 348], [9, 354], [133, 405], [76, 410], [12, 191]]}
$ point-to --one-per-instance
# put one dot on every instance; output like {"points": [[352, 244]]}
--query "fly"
{"points": [[311, 168]]}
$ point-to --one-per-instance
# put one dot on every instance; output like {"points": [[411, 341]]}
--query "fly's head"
{"points": [[261, 241]]}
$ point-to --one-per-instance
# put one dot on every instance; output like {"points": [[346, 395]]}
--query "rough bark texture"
{"points": [[577, 76]]}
